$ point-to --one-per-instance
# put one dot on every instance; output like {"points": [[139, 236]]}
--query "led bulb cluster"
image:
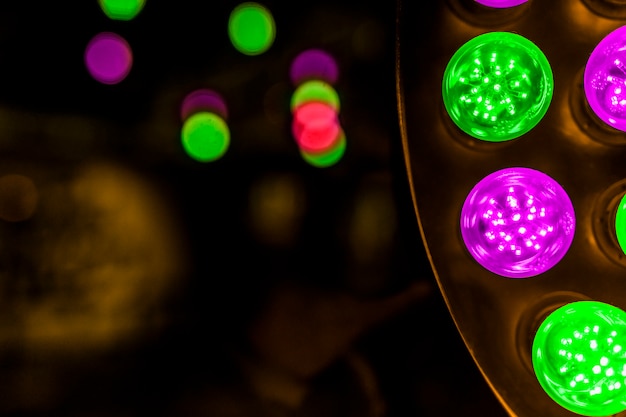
{"points": [[519, 222], [516, 222], [205, 135], [315, 109]]}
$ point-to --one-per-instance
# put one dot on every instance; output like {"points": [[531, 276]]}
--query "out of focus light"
{"points": [[18, 198], [604, 77], [330, 156], [497, 86], [277, 203], [205, 136], [203, 100], [251, 28], [315, 108], [315, 126], [501, 4], [315, 90], [518, 222], [314, 64], [579, 358], [121, 9], [108, 58]]}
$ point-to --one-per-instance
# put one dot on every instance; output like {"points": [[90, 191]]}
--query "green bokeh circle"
{"points": [[497, 86], [579, 357], [620, 223], [251, 28], [329, 157], [315, 90], [205, 136], [121, 9]]}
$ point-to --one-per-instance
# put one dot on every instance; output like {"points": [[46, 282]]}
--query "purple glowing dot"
{"points": [[314, 64], [203, 100], [518, 222], [604, 79], [108, 58], [501, 4]]}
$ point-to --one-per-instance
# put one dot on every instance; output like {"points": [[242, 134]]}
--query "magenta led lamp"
{"points": [[501, 4], [604, 79], [517, 222]]}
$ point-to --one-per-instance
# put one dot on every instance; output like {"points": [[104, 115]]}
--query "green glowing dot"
{"points": [[620, 223], [497, 86], [251, 28], [315, 90], [329, 157], [205, 137], [121, 9], [579, 359]]}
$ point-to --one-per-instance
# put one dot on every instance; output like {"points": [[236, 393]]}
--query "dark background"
{"points": [[293, 290]]}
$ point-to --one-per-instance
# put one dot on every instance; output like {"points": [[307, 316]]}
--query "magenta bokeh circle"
{"points": [[108, 58], [518, 222], [604, 79], [314, 64]]}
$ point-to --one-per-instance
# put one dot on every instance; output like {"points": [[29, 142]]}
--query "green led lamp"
{"points": [[579, 358], [205, 137], [620, 224], [497, 86]]}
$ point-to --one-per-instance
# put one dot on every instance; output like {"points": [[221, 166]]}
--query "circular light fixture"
{"points": [[497, 86], [579, 357], [517, 222], [604, 79]]}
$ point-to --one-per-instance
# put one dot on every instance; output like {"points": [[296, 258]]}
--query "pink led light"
{"points": [[501, 4], [108, 58], [518, 222], [315, 127], [605, 79]]}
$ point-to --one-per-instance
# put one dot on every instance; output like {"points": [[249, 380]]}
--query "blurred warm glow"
{"points": [[18, 198], [276, 207], [107, 254]]}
